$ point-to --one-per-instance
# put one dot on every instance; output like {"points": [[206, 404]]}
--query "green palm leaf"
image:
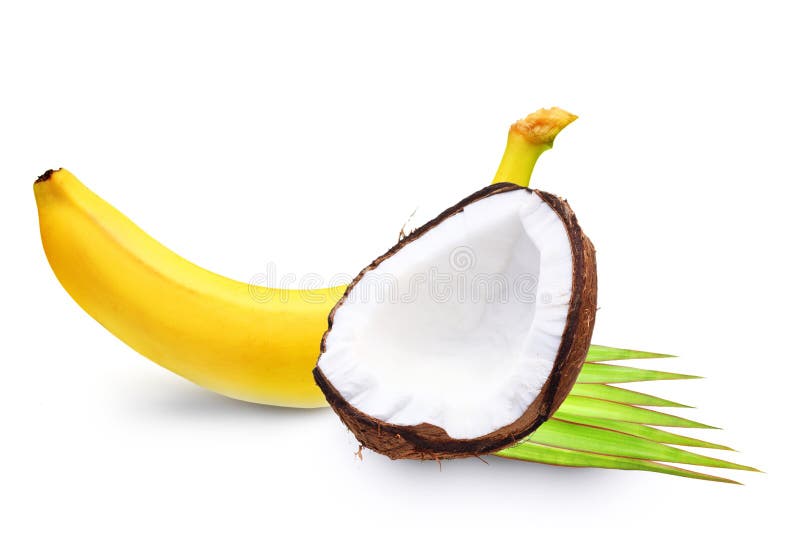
{"points": [[642, 431], [601, 353], [573, 436], [538, 453], [600, 425], [611, 373], [592, 407], [618, 394]]}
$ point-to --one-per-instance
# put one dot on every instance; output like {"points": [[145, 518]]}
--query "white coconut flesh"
{"points": [[470, 353]]}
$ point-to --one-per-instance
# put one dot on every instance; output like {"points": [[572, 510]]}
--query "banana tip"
{"points": [[45, 176]]}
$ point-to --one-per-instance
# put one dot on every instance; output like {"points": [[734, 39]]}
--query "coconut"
{"points": [[469, 333]]}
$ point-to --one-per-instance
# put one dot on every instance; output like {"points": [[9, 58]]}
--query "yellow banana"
{"points": [[253, 344], [202, 326]]}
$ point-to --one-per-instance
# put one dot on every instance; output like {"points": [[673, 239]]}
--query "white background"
{"points": [[304, 134]]}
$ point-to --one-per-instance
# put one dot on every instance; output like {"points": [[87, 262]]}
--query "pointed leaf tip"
{"points": [[590, 407], [596, 372], [602, 353], [539, 453], [618, 394], [640, 430], [600, 440]]}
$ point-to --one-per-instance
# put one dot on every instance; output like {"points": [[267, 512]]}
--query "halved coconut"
{"points": [[469, 333]]}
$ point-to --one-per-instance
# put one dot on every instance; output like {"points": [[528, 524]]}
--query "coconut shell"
{"points": [[426, 441]]}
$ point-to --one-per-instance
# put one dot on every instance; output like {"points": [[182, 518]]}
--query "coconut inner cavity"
{"points": [[461, 326]]}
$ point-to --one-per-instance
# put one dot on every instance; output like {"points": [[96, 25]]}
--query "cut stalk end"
{"points": [[542, 126], [528, 138]]}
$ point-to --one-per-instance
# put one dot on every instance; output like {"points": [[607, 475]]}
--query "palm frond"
{"points": [[586, 438], [643, 431], [529, 451], [601, 353], [592, 407], [600, 425], [623, 396], [593, 372]]}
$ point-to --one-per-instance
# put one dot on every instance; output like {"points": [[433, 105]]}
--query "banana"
{"points": [[250, 343], [207, 328]]}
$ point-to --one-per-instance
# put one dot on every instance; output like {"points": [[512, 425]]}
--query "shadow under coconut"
{"points": [[187, 401], [495, 469]]}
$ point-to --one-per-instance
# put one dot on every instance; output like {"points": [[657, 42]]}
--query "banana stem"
{"points": [[527, 140]]}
